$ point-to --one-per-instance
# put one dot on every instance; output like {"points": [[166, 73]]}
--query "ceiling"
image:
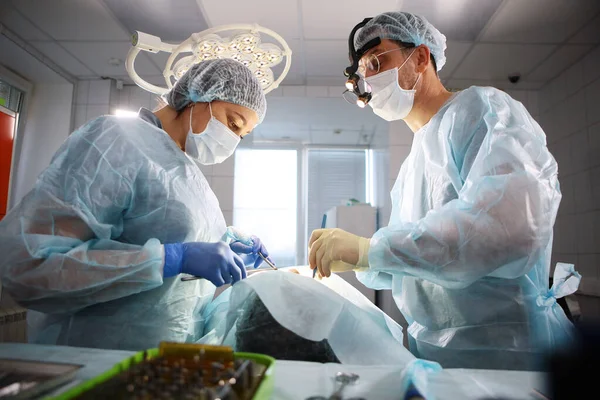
{"points": [[319, 121], [487, 39]]}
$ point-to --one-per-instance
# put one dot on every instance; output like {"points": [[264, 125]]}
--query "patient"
{"points": [[258, 332], [281, 314]]}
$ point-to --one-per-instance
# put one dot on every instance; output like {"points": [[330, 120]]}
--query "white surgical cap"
{"points": [[407, 28], [221, 79]]}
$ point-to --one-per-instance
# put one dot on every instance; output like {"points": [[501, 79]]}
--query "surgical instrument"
{"points": [[265, 259], [323, 224], [344, 379]]}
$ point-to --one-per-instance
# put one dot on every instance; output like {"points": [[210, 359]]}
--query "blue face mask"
{"points": [[212, 146]]}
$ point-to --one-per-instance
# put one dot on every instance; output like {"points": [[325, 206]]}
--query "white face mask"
{"points": [[389, 100], [214, 145]]}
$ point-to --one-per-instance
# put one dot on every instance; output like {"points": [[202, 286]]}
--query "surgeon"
{"points": [[467, 249], [96, 249]]}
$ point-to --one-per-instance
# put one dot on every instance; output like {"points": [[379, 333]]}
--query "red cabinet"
{"points": [[7, 137]]}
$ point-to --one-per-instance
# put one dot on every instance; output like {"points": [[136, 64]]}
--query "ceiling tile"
{"points": [[497, 61], [73, 19], [326, 57], [280, 16], [95, 56], [294, 80], [160, 59], [30, 68], [455, 53], [173, 20], [335, 81], [336, 22], [297, 68], [62, 58], [457, 19], [14, 21], [157, 80], [283, 132], [347, 137], [562, 59], [539, 21], [589, 34]]}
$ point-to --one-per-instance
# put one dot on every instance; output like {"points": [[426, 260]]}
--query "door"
{"points": [[7, 137]]}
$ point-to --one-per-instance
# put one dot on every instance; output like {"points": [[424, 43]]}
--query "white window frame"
{"points": [[302, 184]]}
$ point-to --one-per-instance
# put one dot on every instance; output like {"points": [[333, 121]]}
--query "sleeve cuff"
{"points": [[364, 244], [173, 259]]}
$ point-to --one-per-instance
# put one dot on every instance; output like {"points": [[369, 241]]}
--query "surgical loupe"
{"points": [[357, 90], [258, 48]]}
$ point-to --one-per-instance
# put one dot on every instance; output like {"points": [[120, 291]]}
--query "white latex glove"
{"points": [[335, 250]]}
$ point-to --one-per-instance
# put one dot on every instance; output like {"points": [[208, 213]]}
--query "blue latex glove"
{"points": [[249, 253], [247, 247], [213, 261]]}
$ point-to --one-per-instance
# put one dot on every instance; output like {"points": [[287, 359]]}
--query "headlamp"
{"points": [[352, 83]]}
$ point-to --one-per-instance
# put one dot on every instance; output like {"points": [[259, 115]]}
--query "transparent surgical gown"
{"points": [[83, 250], [467, 250]]}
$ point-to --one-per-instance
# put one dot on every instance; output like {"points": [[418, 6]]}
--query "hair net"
{"points": [[407, 28], [223, 79]]}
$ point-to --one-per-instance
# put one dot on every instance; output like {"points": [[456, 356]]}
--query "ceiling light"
{"points": [[125, 113], [240, 42]]}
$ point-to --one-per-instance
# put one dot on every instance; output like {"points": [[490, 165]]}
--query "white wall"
{"points": [[570, 107], [92, 100], [47, 125]]}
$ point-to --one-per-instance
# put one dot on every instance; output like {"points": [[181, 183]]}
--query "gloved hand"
{"points": [[213, 261], [247, 247], [335, 250]]}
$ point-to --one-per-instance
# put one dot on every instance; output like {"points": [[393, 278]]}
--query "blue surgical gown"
{"points": [[83, 250], [467, 249]]}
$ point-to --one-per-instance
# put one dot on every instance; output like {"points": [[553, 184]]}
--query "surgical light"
{"points": [[250, 44]]}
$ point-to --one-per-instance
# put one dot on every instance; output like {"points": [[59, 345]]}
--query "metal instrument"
{"points": [[265, 259], [344, 379]]}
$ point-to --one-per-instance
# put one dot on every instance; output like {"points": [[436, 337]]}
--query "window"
{"points": [[265, 199], [335, 176], [10, 97]]}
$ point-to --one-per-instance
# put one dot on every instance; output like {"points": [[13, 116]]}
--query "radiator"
{"points": [[13, 325], [13, 320]]}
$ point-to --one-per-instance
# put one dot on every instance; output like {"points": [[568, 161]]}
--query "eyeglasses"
{"points": [[358, 91], [370, 63]]}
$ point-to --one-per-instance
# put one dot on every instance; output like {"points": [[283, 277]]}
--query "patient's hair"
{"points": [[259, 332]]}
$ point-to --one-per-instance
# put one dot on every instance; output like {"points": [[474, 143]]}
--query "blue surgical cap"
{"points": [[221, 79], [407, 28]]}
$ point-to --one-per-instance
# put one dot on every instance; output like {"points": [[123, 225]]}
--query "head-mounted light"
{"points": [[353, 90]]}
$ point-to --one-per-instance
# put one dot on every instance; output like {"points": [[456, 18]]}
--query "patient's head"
{"points": [[259, 332]]}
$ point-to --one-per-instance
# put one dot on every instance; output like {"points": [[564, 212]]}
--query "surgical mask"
{"points": [[214, 145], [389, 100]]}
